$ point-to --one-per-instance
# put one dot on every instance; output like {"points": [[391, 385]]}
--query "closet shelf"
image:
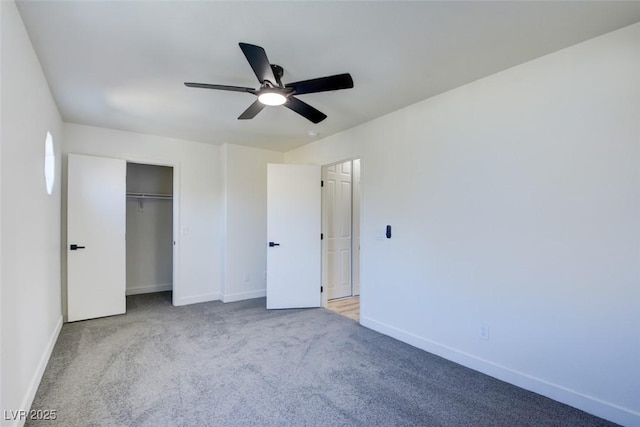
{"points": [[149, 196]]}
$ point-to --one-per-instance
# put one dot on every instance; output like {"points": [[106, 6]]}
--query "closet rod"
{"points": [[149, 196]]}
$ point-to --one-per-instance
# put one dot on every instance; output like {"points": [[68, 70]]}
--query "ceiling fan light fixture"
{"points": [[272, 98], [273, 92]]}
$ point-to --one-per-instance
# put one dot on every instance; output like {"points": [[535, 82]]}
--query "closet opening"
{"points": [[341, 242], [149, 229]]}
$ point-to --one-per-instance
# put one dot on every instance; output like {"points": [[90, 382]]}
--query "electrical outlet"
{"points": [[245, 277], [484, 331]]}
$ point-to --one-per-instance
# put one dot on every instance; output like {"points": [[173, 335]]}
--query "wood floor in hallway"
{"points": [[348, 307]]}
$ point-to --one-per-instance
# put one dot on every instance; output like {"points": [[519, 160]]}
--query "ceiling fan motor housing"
{"points": [[278, 71]]}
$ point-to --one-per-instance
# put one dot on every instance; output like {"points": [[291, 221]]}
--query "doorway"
{"points": [[341, 237], [149, 228]]}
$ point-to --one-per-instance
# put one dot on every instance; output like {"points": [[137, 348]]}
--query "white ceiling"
{"points": [[122, 64]]}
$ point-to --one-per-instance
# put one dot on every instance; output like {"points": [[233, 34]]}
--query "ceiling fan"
{"points": [[273, 92]]}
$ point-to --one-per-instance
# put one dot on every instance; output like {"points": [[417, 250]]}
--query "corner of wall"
{"points": [[224, 159], [1, 282]]}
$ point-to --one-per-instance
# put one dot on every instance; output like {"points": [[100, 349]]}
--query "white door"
{"points": [[293, 233], [96, 212], [338, 194]]}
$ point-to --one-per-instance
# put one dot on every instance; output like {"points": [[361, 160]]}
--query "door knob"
{"points": [[75, 247], [272, 244]]}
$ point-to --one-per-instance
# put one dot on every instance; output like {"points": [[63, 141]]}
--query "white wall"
{"points": [[199, 195], [514, 202], [1, 381], [245, 219], [149, 229], [30, 219]]}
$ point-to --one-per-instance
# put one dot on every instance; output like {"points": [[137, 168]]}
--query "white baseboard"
{"points": [[196, 299], [162, 287], [239, 296], [27, 401], [590, 404]]}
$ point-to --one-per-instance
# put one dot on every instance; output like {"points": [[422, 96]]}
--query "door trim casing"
{"points": [[175, 286]]}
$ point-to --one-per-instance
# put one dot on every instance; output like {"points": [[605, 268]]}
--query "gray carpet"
{"points": [[237, 364]]}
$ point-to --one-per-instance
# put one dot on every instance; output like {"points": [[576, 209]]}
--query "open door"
{"points": [[293, 233], [96, 211]]}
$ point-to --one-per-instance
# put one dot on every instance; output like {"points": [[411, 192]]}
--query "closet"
{"points": [[149, 228]]}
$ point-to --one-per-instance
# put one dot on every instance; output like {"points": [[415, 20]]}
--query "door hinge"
{"points": [[322, 183], [321, 289], [321, 236]]}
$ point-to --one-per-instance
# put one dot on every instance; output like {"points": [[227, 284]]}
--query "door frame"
{"points": [[175, 205], [325, 222], [176, 288]]}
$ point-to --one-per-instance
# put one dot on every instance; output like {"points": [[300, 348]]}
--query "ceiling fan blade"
{"points": [[259, 62], [305, 110], [221, 87], [322, 84], [251, 112]]}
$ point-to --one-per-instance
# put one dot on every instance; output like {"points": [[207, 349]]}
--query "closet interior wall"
{"points": [[149, 228]]}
